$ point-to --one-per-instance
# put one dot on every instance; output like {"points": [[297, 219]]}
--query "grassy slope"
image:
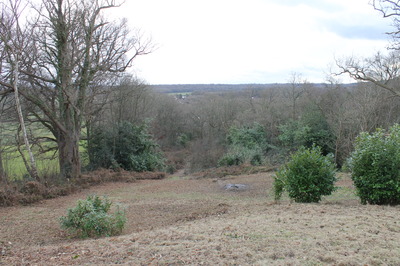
{"points": [[184, 221]]}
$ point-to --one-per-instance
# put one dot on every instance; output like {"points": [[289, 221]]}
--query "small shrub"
{"points": [[230, 159], [279, 186], [91, 218], [183, 140], [375, 166], [170, 169], [240, 155], [307, 176]]}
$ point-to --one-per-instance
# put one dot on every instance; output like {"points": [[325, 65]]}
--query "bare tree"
{"points": [[380, 69], [169, 120], [12, 38], [390, 9], [73, 48], [295, 91], [130, 100]]}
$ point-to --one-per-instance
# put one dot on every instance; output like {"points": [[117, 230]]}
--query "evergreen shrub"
{"points": [[375, 166], [307, 177], [90, 218]]}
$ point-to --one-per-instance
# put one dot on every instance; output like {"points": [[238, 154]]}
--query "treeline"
{"points": [[201, 88], [259, 126]]}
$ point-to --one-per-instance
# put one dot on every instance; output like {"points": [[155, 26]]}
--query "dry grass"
{"points": [[194, 221], [27, 192], [234, 170]]}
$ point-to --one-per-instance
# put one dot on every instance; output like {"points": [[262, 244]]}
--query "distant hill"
{"points": [[181, 88]]}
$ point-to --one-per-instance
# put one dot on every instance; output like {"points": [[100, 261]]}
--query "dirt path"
{"points": [[185, 221]]}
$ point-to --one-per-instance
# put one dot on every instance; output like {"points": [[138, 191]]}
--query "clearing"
{"points": [[180, 220]]}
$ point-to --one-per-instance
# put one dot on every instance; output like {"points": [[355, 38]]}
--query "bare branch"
{"points": [[382, 71]]}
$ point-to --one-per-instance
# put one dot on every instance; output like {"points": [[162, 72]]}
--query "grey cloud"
{"points": [[360, 32], [318, 4], [368, 31], [358, 28]]}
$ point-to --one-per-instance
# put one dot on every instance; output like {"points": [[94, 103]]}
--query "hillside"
{"points": [[188, 221]]}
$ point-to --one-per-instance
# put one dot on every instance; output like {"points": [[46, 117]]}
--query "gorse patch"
{"points": [[90, 218]]}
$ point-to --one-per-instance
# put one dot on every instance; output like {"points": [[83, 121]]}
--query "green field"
{"points": [[15, 168], [47, 163], [185, 93]]}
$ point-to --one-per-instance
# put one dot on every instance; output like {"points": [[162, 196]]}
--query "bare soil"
{"points": [[187, 221]]}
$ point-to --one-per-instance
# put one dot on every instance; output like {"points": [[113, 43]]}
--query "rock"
{"points": [[236, 187]]}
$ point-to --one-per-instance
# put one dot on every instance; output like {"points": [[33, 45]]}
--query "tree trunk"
{"points": [[69, 158], [89, 140], [294, 109], [2, 173], [32, 170]]}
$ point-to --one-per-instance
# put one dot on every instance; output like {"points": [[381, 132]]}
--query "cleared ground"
{"points": [[184, 221]]}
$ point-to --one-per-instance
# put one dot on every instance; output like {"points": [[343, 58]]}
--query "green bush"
{"points": [[248, 137], [294, 133], [230, 159], [240, 155], [245, 145], [375, 166], [183, 139], [127, 146], [312, 128], [307, 176], [91, 218]]}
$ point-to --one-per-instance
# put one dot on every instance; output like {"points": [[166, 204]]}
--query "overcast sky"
{"points": [[251, 41]]}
